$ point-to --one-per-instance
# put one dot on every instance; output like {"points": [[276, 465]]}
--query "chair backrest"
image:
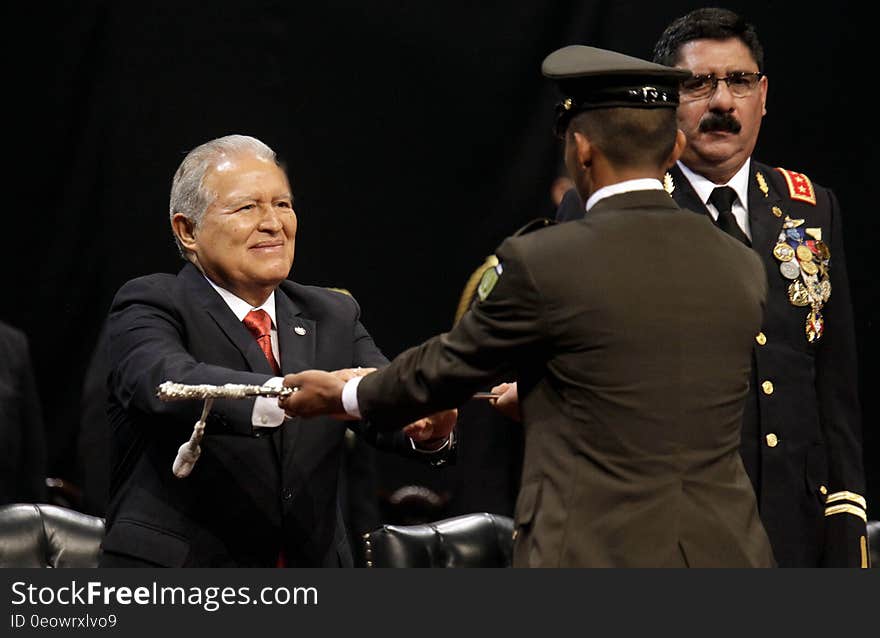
{"points": [[472, 540], [874, 542], [34, 535]]}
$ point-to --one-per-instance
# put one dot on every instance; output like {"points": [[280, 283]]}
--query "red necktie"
{"points": [[260, 325]]}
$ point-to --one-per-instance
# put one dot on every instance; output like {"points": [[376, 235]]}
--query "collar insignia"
{"points": [[762, 183]]}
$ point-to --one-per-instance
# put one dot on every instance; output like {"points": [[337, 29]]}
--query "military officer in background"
{"points": [[802, 429], [631, 364]]}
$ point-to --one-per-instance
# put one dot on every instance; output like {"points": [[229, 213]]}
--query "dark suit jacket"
{"points": [[253, 492], [813, 410], [630, 334], [22, 437]]}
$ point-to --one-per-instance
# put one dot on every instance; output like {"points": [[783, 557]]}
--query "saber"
{"points": [[170, 391], [189, 452]]}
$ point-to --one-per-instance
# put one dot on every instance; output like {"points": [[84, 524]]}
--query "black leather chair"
{"points": [[41, 535], [472, 540], [874, 543]]}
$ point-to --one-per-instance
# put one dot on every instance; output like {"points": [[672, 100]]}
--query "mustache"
{"points": [[720, 122]]}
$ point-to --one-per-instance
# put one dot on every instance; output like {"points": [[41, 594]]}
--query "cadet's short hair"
{"points": [[188, 194], [708, 23], [629, 137]]}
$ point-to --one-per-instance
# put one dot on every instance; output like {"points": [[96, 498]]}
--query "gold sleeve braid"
{"points": [[845, 502]]}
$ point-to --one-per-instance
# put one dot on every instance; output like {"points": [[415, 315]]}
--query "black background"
{"points": [[417, 136]]}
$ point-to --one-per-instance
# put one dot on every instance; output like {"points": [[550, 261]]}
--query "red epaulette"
{"points": [[799, 186]]}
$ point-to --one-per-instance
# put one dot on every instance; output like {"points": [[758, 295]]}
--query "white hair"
{"points": [[188, 194]]}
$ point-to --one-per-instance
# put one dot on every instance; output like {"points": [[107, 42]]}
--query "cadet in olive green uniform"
{"points": [[629, 333]]}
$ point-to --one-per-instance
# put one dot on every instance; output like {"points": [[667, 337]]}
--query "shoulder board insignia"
{"points": [[340, 290], [535, 224], [799, 186], [668, 184]]}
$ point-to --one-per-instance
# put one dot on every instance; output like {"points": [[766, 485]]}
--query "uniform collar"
{"points": [[643, 184]]}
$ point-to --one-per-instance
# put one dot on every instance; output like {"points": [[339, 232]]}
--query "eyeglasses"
{"points": [[739, 83]]}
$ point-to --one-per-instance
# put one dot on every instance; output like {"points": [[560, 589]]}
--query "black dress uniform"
{"points": [[802, 427]]}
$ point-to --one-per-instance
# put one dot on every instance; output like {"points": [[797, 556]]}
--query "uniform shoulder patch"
{"points": [[470, 288], [488, 281], [799, 186]]}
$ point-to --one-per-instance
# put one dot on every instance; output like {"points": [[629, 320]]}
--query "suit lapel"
{"points": [[234, 330], [297, 341], [765, 225], [297, 336], [685, 195]]}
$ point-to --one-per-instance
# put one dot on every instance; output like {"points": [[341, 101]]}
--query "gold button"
{"points": [[823, 490], [767, 387], [772, 440], [761, 338]]}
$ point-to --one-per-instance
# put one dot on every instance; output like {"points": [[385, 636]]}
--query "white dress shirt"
{"points": [[627, 186], [739, 183], [267, 413]]}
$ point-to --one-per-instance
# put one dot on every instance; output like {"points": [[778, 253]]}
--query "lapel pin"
{"points": [[299, 330]]}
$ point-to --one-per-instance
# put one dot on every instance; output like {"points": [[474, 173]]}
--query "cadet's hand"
{"points": [[508, 403], [317, 393], [431, 432]]}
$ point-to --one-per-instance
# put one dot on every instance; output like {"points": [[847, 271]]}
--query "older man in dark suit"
{"points": [[264, 490], [629, 333]]}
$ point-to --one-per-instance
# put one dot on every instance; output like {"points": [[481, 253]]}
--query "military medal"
{"points": [[815, 325], [809, 267], [803, 253], [783, 252], [804, 259], [789, 269], [797, 294]]}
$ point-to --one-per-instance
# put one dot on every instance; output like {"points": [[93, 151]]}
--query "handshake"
{"points": [[317, 393]]}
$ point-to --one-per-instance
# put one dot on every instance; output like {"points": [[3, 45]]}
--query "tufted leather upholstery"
{"points": [[48, 536], [472, 540]]}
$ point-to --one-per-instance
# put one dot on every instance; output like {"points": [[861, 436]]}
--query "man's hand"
{"points": [[350, 373], [508, 403], [431, 432], [316, 393]]}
